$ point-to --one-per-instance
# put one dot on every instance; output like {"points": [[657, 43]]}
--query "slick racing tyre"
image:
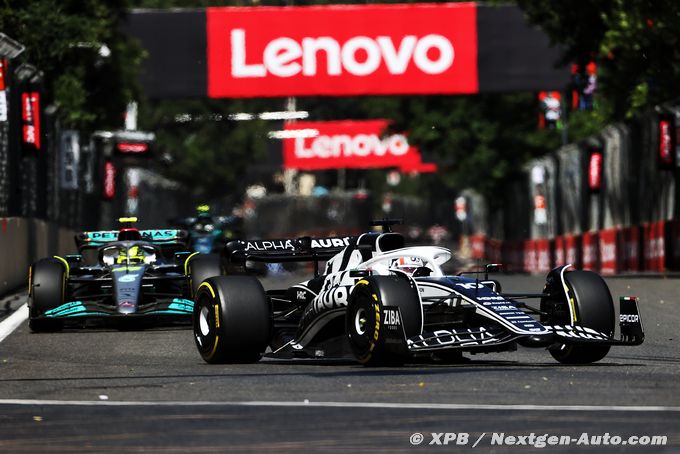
{"points": [[365, 320], [592, 302], [232, 320], [200, 268], [47, 288]]}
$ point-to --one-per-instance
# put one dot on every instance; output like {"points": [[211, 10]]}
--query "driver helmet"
{"points": [[136, 254], [133, 253]]}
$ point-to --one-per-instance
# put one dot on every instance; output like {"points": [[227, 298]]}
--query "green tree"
{"points": [[634, 42], [481, 141], [204, 149], [89, 67]]}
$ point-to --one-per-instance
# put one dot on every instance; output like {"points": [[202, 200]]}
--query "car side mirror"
{"points": [[493, 267], [74, 259], [181, 256], [359, 273]]}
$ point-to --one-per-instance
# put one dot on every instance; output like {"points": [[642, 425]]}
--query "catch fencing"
{"points": [[52, 181], [609, 204]]}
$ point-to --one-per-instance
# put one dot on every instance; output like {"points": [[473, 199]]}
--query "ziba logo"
{"points": [[359, 55]]}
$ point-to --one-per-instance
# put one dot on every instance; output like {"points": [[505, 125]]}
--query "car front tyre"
{"points": [[231, 320], [592, 302], [47, 289]]}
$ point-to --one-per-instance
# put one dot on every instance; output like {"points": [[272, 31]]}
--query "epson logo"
{"points": [[629, 318], [344, 145], [359, 56]]}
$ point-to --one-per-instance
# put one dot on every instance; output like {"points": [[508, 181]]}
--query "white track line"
{"points": [[8, 325], [417, 406]]}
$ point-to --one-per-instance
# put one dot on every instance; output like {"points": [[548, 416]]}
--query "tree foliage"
{"points": [[64, 39], [635, 43], [204, 149], [480, 141]]}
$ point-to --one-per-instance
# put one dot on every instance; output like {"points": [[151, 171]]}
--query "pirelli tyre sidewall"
{"points": [[232, 320], [364, 322], [591, 301], [47, 290]]}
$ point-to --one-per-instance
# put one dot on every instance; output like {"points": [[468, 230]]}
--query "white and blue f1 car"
{"points": [[140, 275], [384, 303]]}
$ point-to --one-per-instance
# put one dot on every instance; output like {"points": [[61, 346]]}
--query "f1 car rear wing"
{"points": [[304, 249], [156, 236]]}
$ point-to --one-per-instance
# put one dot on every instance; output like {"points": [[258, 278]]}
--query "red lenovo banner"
{"points": [[654, 246], [30, 114], [3, 70], [610, 251], [631, 248], [595, 171], [3, 94], [477, 246], [667, 141], [109, 181], [342, 50], [132, 147], [530, 256], [589, 243], [349, 144]]}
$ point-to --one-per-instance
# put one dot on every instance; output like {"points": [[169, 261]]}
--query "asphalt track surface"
{"points": [[104, 390]]}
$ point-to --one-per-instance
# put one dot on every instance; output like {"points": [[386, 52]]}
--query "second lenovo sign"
{"points": [[350, 144], [342, 50]]}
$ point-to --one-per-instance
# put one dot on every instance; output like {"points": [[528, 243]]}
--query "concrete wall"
{"points": [[22, 242]]}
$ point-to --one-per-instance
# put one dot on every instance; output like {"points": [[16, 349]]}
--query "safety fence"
{"points": [[608, 204], [54, 180], [22, 242]]}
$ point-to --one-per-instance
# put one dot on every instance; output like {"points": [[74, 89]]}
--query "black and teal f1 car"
{"points": [[381, 302], [132, 275]]}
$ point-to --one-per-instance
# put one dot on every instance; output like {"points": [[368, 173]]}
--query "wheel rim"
{"points": [[204, 321], [360, 321]]}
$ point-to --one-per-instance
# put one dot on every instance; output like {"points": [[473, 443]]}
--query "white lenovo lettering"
{"points": [[359, 55], [343, 145], [239, 68]]}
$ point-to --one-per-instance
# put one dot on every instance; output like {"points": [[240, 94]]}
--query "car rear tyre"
{"points": [[594, 308], [232, 320], [200, 268], [47, 291], [364, 324]]}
